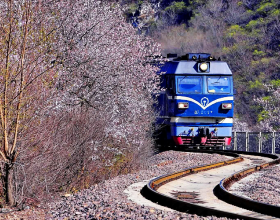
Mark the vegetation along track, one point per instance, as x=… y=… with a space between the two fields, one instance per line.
x=203 y=190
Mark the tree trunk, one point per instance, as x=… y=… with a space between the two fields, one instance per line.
x=9 y=184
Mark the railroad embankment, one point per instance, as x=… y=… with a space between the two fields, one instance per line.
x=107 y=200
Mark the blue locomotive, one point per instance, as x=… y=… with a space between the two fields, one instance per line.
x=196 y=108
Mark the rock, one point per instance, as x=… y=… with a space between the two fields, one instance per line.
x=5 y=210
x=26 y=207
x=107 y=200
x=67 y=195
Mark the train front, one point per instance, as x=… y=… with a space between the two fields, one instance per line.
x=199 y=100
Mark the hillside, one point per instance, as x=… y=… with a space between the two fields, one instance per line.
x=246 y=34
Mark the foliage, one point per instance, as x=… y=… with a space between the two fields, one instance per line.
x=259 y=53
x=177 y=7
x=77 y=97
x=268 y=118
x=235 y=30
x=155 y=15
x=245 y=34
x=255 y=85
x=275 y=83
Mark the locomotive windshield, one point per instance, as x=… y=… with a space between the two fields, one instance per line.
x=218 y=84
x=189 y=84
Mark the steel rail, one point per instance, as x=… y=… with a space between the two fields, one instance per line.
x=221 y=191
x=150 y=190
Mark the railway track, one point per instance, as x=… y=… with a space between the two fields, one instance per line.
x=203 y=190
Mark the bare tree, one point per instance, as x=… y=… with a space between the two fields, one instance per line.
x=26 y=76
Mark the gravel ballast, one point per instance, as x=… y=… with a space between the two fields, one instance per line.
x=262 y=186
x=107 y=200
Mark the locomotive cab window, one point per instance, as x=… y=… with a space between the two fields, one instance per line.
x=218 y=84
x=189 y=84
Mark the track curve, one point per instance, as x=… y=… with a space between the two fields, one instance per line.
x=159 y=190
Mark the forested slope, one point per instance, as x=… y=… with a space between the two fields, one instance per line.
x=244 y=33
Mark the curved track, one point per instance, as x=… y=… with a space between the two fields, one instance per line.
x=203 y=190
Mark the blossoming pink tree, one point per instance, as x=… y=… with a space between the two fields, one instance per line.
x=269 y=118
x=107 y=67
x=94 y=111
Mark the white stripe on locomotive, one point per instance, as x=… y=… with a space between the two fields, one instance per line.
x=230 y=98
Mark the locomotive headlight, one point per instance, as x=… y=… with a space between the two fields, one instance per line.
x=203 y=67
x=226 y=106
x=183 y=105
